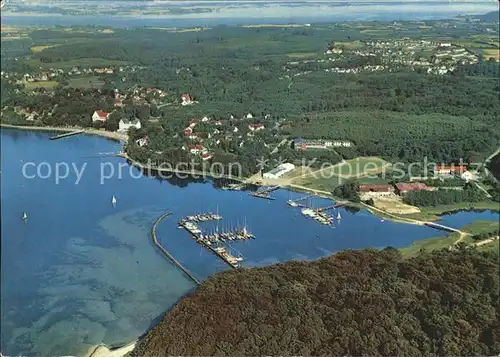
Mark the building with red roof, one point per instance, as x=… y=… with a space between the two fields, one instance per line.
x=451 y=170
x=197 y=149
x=100 y=115
x=376 y=188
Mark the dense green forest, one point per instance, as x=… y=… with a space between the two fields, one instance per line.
x=354 y=303
x=401 y=115
x=441 y=196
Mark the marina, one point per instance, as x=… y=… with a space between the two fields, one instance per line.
x=212 y=243
x=116 y=251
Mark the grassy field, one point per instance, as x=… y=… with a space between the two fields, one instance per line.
x=480 y=227
x=360 y=165
x=42 y=84
x=446 y=241
x=36 y=49
x=323 y=183
x=301 y=54
x=491 y=53
x=426 y=245
x=331 y=177
x=85 y=82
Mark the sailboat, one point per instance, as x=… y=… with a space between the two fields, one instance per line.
x=25 y=216
x=113 y=200
x=339 y=217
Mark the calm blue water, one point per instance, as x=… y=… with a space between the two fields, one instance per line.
x=80 y=271
x=235 y=13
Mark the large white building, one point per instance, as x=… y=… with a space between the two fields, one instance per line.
x=125 y=124
x=279 y=171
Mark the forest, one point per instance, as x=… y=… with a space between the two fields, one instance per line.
x=399 y=116
x=441 y=196
x=353 y=303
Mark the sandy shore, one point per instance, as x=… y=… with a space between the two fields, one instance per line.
x=106 y=134
x=104 y=351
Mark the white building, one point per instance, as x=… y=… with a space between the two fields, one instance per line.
x=126 y=124
x=279 y=171
x=100 y=115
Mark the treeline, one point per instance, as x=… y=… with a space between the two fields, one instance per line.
x=486 y=235
x=354 y=303
x=441 y=196
x=348 y=190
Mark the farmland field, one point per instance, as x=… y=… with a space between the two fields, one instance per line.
x=42 y=84
x=85 y=82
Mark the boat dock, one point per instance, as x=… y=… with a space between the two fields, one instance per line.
x=60 y=136
x=220 y=252
x=296 y=202
x=265 y=193
x=203 y=217
x=167 y=254
x=324 y=209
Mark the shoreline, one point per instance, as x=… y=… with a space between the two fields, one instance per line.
x=102 y=350
x=115 y=136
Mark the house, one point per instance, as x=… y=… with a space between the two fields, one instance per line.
x=380 y=189
x=256 y=127
x=125 y=124
x=279 y=171
x=192 y=123
x=188 y=131
x=142 y=141
x=197 y=149
x=235 y=130
x=450 y=170
x=118 y=100
x=249 y=116
x=205 y=119
x=100 y=115
x=186 y=99
x=31 y=116
x=467 y=176
x=206 y=156
x=193 y=136
x=404 y=187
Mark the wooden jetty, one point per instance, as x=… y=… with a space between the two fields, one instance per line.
x=338 y=204
x=60 y=136
x=265 y=193
x=197 y=238
x=164 y=251
x=266 y=196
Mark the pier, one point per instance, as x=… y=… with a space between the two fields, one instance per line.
x=296 y=202
x=164 y=251
x=221 y=253
x=324 y=209
x=60 y=136
x=265 y=193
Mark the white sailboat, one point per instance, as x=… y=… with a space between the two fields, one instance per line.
x=339 y=217
x=25 y=216
x=113 y=200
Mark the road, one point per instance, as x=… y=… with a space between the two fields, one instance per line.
x=420 y=223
